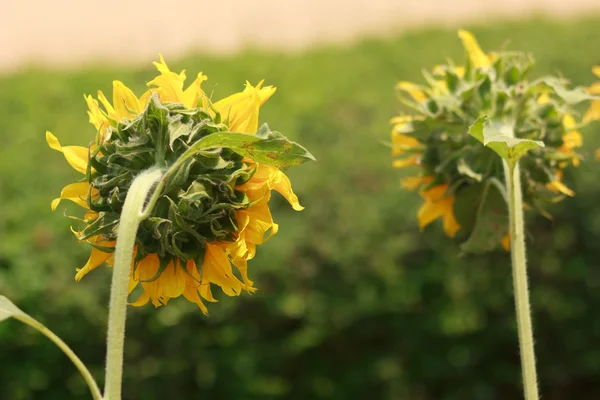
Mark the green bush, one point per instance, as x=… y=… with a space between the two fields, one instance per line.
x=353 y=302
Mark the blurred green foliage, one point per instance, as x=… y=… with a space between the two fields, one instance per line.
x=353 y=302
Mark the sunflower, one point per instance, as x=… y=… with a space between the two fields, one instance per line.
x=456 y=177
x=214 y=213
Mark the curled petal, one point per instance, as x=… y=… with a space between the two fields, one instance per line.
x=77 y=156
x=241 y=110
x=97 y=258
x=77 y=193
x=194 y=92
x=125 y=102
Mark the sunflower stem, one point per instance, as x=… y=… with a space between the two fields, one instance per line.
x=131 y=217
x=520 y=284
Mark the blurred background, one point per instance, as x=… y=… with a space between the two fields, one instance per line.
x=354 y=302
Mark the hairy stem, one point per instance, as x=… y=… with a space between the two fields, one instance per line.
x=521 y=289
x=131 y=216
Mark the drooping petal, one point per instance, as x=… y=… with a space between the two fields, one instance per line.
x=242 y=266
x=142 y=300
x=438 y=204
x=77 y=156
x=146 y=270
x=217 y=269
x=557 y=186
x=172 y=280
x=97 y=258
x=191 y=294
x=77 y=193
x=281 y=184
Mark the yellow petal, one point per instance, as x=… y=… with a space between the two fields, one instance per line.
x=173 y=280
x=428 y=212
x=437 y=204
x=413 y=90
x=142 y=300
x=97 y=258
x=281 y=183
x=401 y=143
x=107 y=106
x=406 y=162
x=543 y=98
x=241 y=110
x=77 y=193
x=476 y=55
x=413 y=182
x=193 y=92
x=593 y=113
x=558 y=187
x=242 y=266
x=596 y=70
x=77 y=156
x=594 y=88
x=217 y=269
x=191 y=294
x=97 y=118
x=125 y=102
x=451 y=225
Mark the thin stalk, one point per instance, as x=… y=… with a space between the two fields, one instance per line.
x=89 y=379
x=521 y=289
x=131 y=217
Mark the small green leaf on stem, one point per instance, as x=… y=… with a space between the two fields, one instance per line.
x=508 y=147
x=9 y=310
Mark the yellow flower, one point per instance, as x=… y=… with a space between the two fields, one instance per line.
x=594 y=111
x=438 y=205
x=162 y=280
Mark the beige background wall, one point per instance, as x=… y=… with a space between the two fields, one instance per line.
x=71 y=32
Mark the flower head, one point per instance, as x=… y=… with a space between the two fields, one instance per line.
x=213 y=210
x=458 y=179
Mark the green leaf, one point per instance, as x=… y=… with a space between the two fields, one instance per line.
x=499 y=139
x=571 y=96
x=9 y=310
x=489 y=224
x=266 y=147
